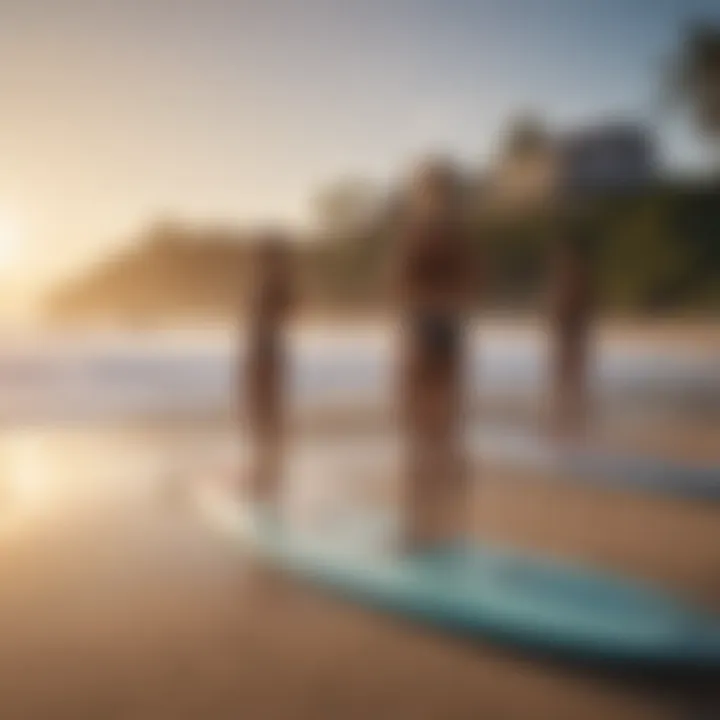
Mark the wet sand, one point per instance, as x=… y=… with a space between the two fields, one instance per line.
x=117 y=602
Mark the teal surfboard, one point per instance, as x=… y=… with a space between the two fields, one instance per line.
x=492 y=593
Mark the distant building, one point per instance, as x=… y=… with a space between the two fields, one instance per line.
x=603 y=159
x=614 y=157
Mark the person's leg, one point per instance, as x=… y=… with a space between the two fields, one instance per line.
x=437 y=490
x=266 y=429
x=265 y=471
x=570 y=401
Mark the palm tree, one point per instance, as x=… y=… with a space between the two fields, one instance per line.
x=695 y=77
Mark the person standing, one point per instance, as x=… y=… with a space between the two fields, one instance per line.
x=434 y=285
x=270 y=302
x=572 y=309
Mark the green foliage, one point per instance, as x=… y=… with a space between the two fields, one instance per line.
x=660 y=252
x=345 y=208
x=694 y=76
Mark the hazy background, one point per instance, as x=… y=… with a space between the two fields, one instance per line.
x=119 y=116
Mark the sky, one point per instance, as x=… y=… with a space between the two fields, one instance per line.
x=116 y=113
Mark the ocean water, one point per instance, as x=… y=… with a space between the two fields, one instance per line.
x=122 y=376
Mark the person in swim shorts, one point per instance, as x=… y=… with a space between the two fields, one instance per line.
x=434 y=286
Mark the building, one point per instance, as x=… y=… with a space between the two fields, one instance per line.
x=610 y=158
x=549 y=170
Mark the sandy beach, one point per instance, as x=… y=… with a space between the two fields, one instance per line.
x=117 y=602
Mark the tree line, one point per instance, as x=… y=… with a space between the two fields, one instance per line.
x=657 y=250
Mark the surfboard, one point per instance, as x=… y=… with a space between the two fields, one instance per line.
x=487 y=593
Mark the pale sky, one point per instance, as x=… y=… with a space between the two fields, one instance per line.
x=114 y=113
